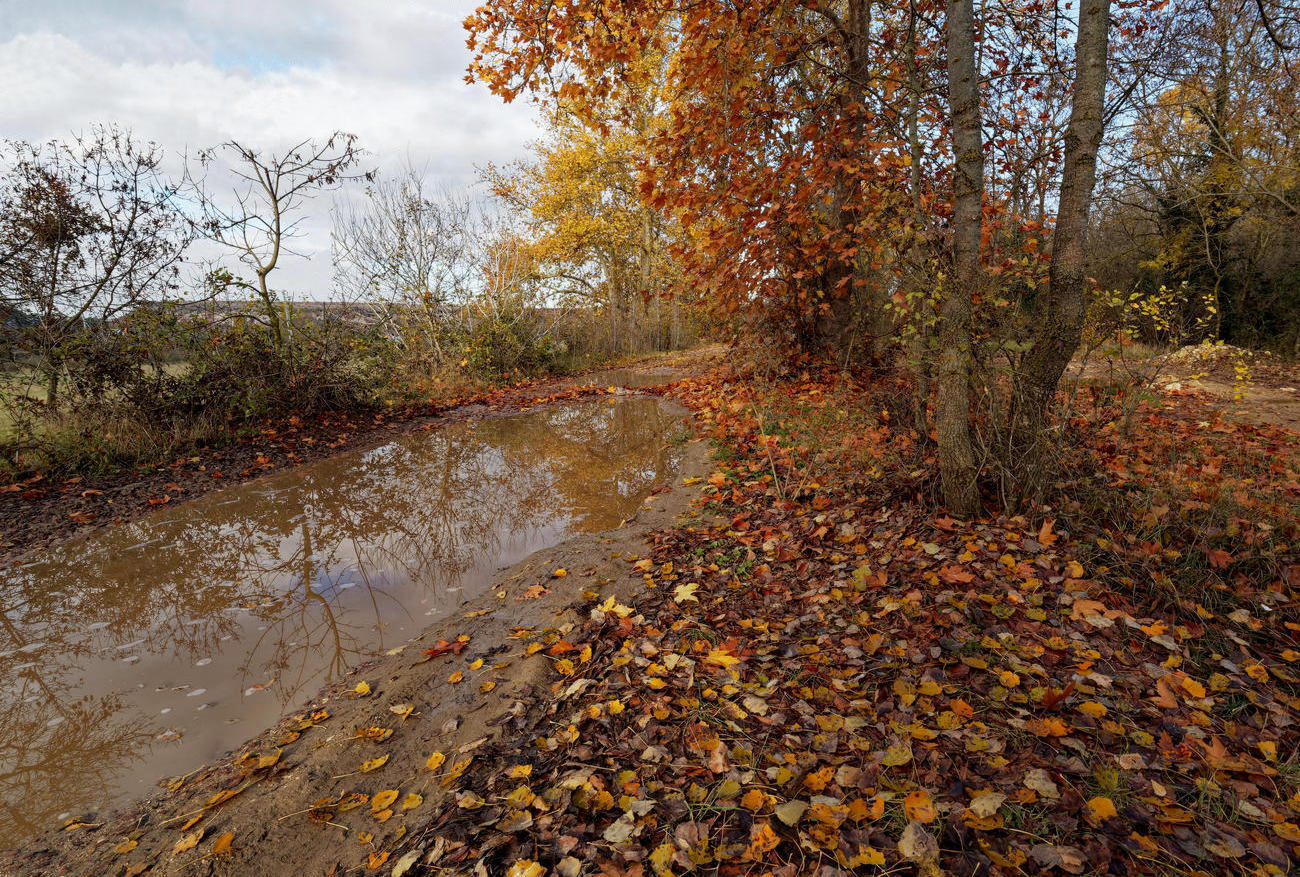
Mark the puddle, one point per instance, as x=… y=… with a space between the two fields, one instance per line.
x=628 y=377
x=144 y=650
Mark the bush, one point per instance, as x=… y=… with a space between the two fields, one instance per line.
x=154 y=384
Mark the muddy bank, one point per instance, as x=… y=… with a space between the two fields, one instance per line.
x=40 y=512
x=256 y=803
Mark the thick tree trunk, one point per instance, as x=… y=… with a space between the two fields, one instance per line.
x=1059 y=314
x=952 y=414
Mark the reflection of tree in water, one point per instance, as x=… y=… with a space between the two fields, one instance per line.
x=47 y=730
x=321 y=560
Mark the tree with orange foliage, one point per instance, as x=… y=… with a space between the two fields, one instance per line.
x=828 y=194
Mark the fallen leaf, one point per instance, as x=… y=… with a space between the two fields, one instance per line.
x=1100 y=809
x=918 y=807
x=187 y=843
x=374 y=763
x=382 y=800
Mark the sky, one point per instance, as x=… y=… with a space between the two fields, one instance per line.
x=193 y=73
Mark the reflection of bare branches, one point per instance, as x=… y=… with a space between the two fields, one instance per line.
x=294 y=578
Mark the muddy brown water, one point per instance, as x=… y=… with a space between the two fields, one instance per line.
x=147 y=649
x=628 y=377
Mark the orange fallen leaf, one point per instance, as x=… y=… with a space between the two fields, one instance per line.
x=918 y=806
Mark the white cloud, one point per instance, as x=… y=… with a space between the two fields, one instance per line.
x=196 y=73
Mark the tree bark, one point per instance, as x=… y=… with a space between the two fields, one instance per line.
x=952 y=414
x=1059 y=314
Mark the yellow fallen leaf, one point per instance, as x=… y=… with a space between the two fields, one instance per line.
x=1008 y=679
x=382 y=800
x=525 y=868
x=1100 y=809
x=402 y=709
x=867 y=856
x=456 y=677
x=1192 y=687
x=435 y=761
x=521 y=771
x=412 y=800
x=187 y=843
x=1092 y=708
x=721 y=658
x=374 y=763
x=476 y=663
x=560 y=573
x=686 y=593
x=487 y=686
x=379 y=735
x=126 y=846
x=376 y=860
x=362 y=689
x=222 y=843
x=896 y=755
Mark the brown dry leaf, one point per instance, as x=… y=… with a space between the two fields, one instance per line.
x=222 y=844
x=376 y=860
x=919 y=846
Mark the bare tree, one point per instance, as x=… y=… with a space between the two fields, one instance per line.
x=90 y=229
x=408 y=253
x=265 y=208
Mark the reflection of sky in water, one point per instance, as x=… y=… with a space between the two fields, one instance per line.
x=158 y=644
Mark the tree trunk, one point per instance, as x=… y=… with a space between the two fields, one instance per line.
x=952 y=414
x=922 y=345
x=1059 y=314
x=53 y=368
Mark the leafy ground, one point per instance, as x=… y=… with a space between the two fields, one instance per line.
x=834 y=679
x=812 y=672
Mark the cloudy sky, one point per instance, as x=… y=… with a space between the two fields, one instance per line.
x=269 y=72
